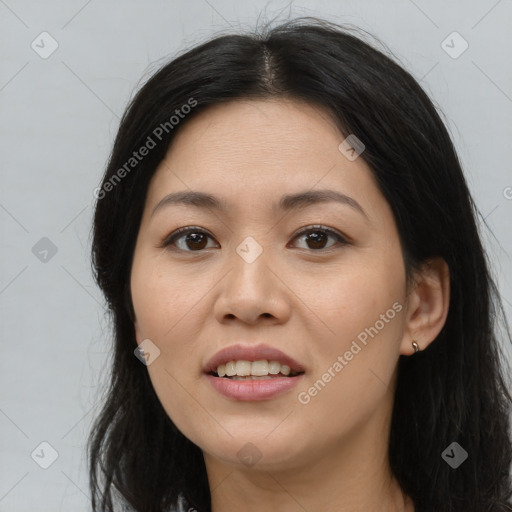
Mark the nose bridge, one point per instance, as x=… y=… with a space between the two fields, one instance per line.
x=251 y=289
x=250 y=266
x=250 y=250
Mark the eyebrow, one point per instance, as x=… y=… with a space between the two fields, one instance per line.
x=286 y=203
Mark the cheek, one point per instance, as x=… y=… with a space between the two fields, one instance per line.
x=357 y=295
x=357 y=356
x=166 y=306
x=162 y=298
x=171 y=307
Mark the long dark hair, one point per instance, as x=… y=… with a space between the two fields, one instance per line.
x=454 y=391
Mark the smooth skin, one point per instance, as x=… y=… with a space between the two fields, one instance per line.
x=309 y=298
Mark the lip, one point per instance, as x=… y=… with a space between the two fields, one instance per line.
x=253 y=390
x=240 y=352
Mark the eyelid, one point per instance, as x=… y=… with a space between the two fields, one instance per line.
x=337 y=234
x=182 y=231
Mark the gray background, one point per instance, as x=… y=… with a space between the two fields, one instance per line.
x=59 y=116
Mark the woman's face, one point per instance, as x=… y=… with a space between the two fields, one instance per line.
x=246 y=275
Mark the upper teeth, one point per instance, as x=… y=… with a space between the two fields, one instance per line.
x=258 y=368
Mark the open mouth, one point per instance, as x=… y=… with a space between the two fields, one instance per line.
x=243 y=375
x=254 y=377
x=253 y=370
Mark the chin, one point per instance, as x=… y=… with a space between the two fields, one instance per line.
x=257 y=453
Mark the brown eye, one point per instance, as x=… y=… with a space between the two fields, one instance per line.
x=316 y=237
x=188 y=239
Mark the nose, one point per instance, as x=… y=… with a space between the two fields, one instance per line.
x=251 y=291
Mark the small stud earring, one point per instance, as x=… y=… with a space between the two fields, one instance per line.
x=415 y=346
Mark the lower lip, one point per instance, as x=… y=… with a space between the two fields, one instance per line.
x=253 y=390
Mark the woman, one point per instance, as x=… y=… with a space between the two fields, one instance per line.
x=287 y=244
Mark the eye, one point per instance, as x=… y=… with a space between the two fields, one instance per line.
x=316 y=237
x=193 y=237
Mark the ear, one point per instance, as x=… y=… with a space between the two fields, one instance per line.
x=427 y=306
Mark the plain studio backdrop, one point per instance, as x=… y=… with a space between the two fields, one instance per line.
x=67 y=71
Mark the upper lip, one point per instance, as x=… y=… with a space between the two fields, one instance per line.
x=240 y=352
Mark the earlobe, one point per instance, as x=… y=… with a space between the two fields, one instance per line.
x=428 y=303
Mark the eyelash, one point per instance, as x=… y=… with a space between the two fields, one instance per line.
x=171 y=239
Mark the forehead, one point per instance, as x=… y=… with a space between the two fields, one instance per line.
x=251 y=131
x=251 y=151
